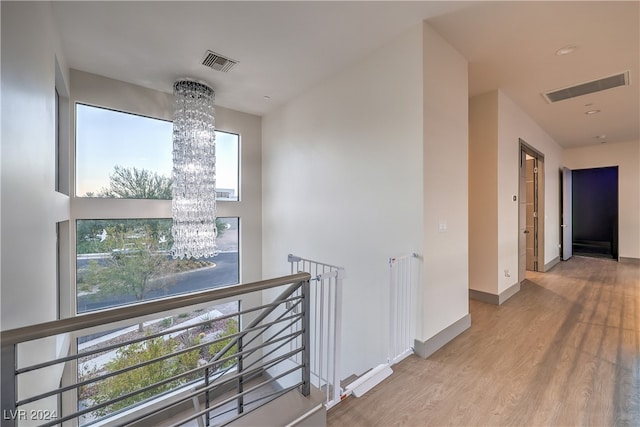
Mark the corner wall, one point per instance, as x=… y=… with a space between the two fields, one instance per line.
x=626 y=156
x=511 y=124
x=31 y=207
x=445 y=301
x=342 y=184
x=515 y=124
x=483 y=192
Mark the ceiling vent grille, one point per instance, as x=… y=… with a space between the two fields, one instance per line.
x=621 y=79
x=218 y=62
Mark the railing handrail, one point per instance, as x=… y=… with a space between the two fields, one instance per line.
x=28 y=333
x=339 y=271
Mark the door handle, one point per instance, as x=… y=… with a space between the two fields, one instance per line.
x=526 y=231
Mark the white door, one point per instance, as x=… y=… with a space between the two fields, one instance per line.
x=567 y=230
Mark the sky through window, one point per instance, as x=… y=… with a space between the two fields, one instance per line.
x=106 y=138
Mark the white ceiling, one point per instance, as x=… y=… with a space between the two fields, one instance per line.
x=284 y=48
x=512 y=46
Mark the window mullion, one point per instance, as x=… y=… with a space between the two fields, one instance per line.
x=106 y=208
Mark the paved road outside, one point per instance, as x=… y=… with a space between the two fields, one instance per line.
x=224 y=273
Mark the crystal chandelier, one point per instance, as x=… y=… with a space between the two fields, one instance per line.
x=194 y=175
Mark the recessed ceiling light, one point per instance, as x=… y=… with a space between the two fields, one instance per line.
x=600 y=136
x=566 y=50
x=266 y=97
x=590 y=112
x=589 y=104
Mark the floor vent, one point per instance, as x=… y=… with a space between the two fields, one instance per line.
x=218 y=62
x=621 y=79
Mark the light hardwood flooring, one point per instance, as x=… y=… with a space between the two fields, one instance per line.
x=564 y=351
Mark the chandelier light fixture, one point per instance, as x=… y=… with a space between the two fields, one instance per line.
x=194 y=176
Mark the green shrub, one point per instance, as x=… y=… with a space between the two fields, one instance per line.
x=230 y=328
x=135 y=379
x=144 y=376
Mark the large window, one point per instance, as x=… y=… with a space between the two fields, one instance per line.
x=127 y=260
x=121 y=258
x=123 y=155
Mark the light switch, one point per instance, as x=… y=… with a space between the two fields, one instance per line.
x=442 y=226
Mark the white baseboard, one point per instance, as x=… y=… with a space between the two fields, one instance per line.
x=426 y=348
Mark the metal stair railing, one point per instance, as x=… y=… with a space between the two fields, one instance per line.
x=245 y=357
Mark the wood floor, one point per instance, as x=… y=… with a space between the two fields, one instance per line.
x=564 y=351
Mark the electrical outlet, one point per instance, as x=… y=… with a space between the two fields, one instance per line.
x=507 y=273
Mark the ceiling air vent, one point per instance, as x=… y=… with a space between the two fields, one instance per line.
x=218 y=62
x=621 y=79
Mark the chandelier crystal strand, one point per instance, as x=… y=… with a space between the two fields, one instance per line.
x=194 y=175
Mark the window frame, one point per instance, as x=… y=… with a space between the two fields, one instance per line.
x=90 y=208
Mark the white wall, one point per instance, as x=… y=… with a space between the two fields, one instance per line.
x=514 y=124
x=342 y=184
x=483 y=192
x=626 y=156
x=30 y=205
x=446 y=185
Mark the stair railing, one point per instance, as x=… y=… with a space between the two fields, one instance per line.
x=325 y=325
x=243 y=360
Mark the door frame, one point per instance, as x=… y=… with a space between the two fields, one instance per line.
x=615 y=244
x=526 y=148
x=566 y=214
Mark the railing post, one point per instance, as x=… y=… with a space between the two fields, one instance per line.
x=306 y=338
x=206 y=395
x=8 y=389
x=240 y=378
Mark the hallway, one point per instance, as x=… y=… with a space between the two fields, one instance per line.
x=565 y=350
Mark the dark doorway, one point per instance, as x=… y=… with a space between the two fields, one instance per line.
x=595 y=212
